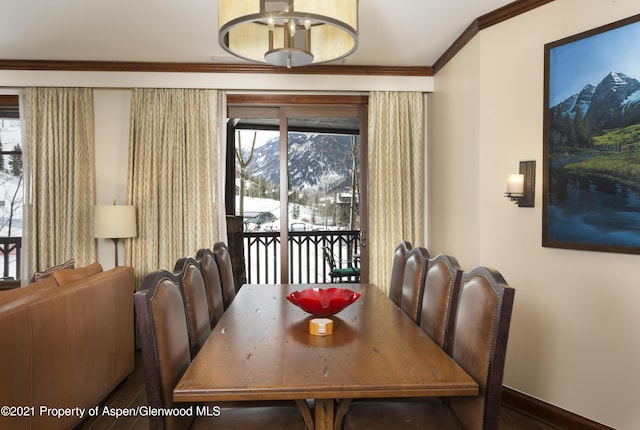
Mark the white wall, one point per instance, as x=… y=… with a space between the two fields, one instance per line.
x=111 y=111
x=574 y=334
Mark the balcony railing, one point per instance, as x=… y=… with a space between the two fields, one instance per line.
x=10 y=248
x=306 y=260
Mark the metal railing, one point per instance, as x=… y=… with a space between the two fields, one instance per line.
x=306 y=261
x=10 y=248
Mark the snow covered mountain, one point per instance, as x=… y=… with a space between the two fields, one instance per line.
x=613 y=103
x=317 y=162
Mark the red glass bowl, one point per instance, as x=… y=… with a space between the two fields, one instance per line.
x=323 y=302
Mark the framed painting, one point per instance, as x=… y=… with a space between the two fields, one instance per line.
x=591 y=165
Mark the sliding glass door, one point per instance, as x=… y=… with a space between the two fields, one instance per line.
x=298 y=176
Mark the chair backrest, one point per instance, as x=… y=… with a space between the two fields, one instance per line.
x=415 y=270
x=194 y=296
x=223 y=259
x=162 y=332
x=397 y=270
x=440 y=299
x=211 y=276
x=480 y=344
x=328 y=256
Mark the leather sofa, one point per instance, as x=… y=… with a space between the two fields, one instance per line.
x=65 y=342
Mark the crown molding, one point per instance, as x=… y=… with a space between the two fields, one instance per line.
x=499 y=15
x=168 y=67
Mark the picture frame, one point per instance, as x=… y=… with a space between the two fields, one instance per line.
x=591 y=152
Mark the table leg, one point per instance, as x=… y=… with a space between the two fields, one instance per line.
x=306 y=413
x=343 y=406
x=324 y=409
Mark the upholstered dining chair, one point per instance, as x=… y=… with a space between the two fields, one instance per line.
x=415 y=271
x=194 y=296
x=440 y=299
x=479 y=346
x=223 y=259
x=211 y=276
x=162 y=331
x=397 y=270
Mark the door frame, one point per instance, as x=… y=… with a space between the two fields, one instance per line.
x=299 y=106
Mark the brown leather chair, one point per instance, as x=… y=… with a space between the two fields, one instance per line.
x=211 y=276
x=415 y=271
x=194 y=296
x=162 y=331
x=479 y=346
x=397 y=270
x=223 y=258
x=440 y=299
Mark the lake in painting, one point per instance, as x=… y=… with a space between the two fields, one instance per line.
x=581 y=211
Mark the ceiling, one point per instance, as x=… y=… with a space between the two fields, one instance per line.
x=392 y=32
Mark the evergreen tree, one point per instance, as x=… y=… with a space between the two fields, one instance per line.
x=2 y=168
x=581 y=130
x=15 y=161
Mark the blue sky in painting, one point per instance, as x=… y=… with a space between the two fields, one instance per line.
x=589 y=60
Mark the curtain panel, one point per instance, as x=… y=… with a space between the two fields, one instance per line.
x=396 y=177
x=173 y=144
x=61 y=176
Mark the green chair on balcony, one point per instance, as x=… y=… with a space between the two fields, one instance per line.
x=340 y=274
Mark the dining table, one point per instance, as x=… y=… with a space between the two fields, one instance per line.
x=262 y=349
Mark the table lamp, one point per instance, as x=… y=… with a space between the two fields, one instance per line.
x=115 y=222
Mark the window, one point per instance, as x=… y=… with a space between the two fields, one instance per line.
x=11 y=188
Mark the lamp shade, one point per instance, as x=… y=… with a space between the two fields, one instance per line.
x=288 y=32
x=515 y=184
x=115 y=221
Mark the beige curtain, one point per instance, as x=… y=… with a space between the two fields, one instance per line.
x=172 y=175
x=61 y=178
x=396 y=171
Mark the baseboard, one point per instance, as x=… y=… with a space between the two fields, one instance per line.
x=547 y=412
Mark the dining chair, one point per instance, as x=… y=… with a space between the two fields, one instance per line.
x=194 y=296
x=211 y=276
x=352 y=274
x=440 y=299
x=415 y=271
x=397 y=270
x=162 y=331
x=223 y=259
x=479 y=347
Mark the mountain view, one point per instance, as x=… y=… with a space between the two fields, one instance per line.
x=612 y=104
x=594 y=164
x=317 y=162
x=320 y=181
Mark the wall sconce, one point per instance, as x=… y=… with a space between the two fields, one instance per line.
x=521 y=188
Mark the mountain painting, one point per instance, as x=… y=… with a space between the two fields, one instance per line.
x=592 y=140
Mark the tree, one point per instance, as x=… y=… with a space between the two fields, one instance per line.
x=243 y=165
x=355 y=186
x=2 y=169
x=16 y=203
x=15 y=161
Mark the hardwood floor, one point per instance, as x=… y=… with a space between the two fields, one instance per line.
x=131 y=393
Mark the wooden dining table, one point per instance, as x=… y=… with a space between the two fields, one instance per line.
x=261 y=349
